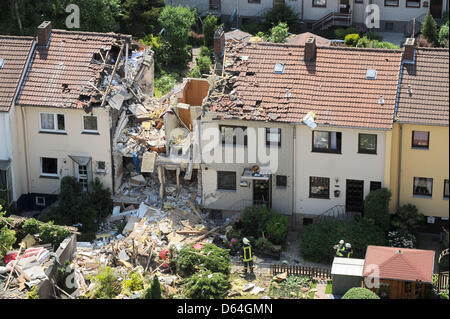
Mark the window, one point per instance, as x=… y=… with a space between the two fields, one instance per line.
x=226 y=180
x=52 y=122
x=273 y=137
x=90 y=124
x=420 y=139
x=359 y=1
x=214 y=5
x=375 y=185
x=367 y=143
x=328 y=142
x=281 y=180
x=83 y=176
x=39 y=200
x=319 y=187
x=254 y=1
x=319 y=3
x=101 y=167
x=49 y=166
x=445 y=188
x=391 y=3
x=389 y=26
x=228 y=131
x=423 y=186
x=413 y=3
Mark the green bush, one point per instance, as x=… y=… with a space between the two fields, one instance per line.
x=31 y=226
x=255 y=27
x=263 y=244
x=384 y=45
x=194 y=73
x=351 y=39
x=209 y=27
x=376 y=207
x=373 y=36
x=282 y=13
x=189 y=260
x=164 y=84
x=134 y=282
x=205 y=51
x=319 y=238
x=341 y=33
x=204 y=64
x=407 y=218
x=257 y=220
x=401 y=239
x=429 y=28
x=279 y=33
x=443 y=35
x=7 y=240
x=106 y=285
x=360 y=293
x=207 y=285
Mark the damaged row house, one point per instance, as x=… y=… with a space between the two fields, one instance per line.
x=84 y=107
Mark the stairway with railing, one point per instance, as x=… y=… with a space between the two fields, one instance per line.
x=333 y=19
x=338 y=212
x=414 y=25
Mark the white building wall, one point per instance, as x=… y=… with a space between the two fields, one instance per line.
x=5 y=136
x=348 y=165
x=246 y=9
x=315 y=13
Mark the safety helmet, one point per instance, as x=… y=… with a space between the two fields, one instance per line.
x=341 y=242
x=347 y=245
x=245 y=241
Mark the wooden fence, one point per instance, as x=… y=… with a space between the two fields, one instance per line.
x=300 y=271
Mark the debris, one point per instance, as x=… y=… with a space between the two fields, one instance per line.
x=248 y=287
x=256 y=290
x=281 y=277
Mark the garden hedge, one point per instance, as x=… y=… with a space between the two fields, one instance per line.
x=360 y=293
x=319 y=238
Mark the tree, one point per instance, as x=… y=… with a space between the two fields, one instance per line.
x=376 y=207
x=279 y=33
x=140 y=17
x=7 y=236
x=443 y=35
x=283 y=13
x=176 y=22
x=429 y=28
x=156 y=288
x=209 y=27
x=407 y=218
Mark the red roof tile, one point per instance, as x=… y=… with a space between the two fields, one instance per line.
x=424 y=92
x=61 y=72
x=301 y=38
x=334 y=86
x=401 y=263
x=14 y=51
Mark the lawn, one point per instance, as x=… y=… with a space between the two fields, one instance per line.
x=294 y=287
x=328 y=289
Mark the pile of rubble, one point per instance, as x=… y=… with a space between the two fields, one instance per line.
x=145 y=244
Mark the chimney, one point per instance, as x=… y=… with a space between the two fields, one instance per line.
x=310 y=49
x=44 y=31
x=219 y=41
x=408 y=50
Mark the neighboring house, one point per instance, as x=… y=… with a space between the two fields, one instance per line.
x=64 y=125
x=237 y=36
x=395 y=15
x=352 y=93
x=15 y=53
x=403 y=273
x=421 y=135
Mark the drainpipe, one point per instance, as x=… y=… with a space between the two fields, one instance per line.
x=25 y=137
x=399 y=165
x=294 y=139
x=302 y=14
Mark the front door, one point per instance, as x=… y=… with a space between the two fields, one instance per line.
x=354 y=196
x=436 y=8
x=262 y=192
x=344 y=6
x=82 y=175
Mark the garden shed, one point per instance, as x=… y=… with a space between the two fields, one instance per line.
x=346 y=273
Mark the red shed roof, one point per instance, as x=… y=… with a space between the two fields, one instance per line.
x=401 y=263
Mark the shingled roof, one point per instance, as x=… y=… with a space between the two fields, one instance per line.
x=334 y=86
x=61 y=73
x=14 y=53
x=400 y=263
x=424 y=91
x=301 y=38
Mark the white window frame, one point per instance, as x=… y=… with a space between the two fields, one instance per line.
x=100 y=170
x=47 y=174
x=37 y=198
x=87 y=130
x=55 y=121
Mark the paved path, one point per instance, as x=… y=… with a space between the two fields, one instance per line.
x=321 y=288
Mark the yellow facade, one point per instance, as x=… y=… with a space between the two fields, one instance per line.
x=408 y=162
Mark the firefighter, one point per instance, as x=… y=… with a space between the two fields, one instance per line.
x=340 y=249
x=348 y=250
x=247 y=256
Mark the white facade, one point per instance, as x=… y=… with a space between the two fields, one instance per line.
x=348 y=165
